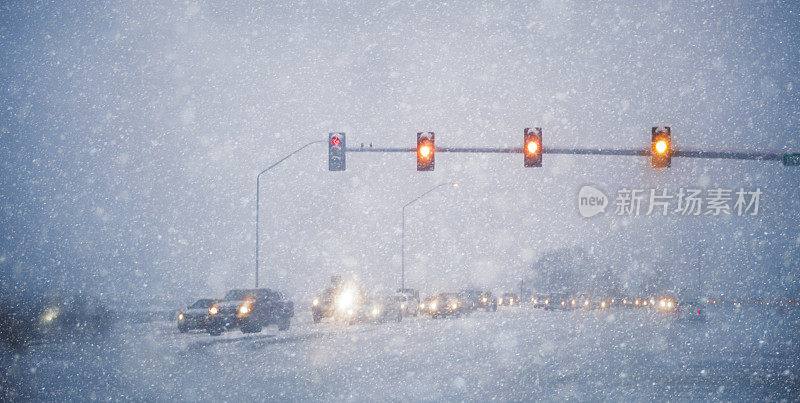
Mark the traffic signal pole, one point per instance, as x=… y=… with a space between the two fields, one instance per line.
x=757 y=155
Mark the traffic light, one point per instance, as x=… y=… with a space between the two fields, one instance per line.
x=425 y=151
x=532 y=147
x=661 y=148
x=336 y=152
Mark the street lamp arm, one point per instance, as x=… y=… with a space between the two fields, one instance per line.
x=258 y=192
x=403 y=232
x=429 y=190
x=289 y=155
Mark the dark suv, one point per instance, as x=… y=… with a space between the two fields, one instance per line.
x=250 y=310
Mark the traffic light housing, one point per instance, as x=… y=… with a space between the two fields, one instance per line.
x=532 y=147
x=661 y=148
x=336 y=152
x=426 y=151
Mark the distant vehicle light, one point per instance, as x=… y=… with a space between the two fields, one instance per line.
x=50 y=314
x=403 y=306
x=180 y=316
x=603 y=304
x=453 y=305
x=547 y=302
x=484 y=299
x=698 y=311
x=586 y=303
x=213 y=310
x=421 y=305
x=375 y=311
x=500 y=301
x=315 y=302
x=434 y=305
x=244 y=309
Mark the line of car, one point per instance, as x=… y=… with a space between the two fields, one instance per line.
x=249 y=310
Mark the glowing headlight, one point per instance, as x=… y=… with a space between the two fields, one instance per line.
x=662 y=303
x=535 y=301
x=50 y=314
x=180 y=316
x=603 y=304
x=453 y=305
x=434 y=305
x=213 y=311
x=315 y=302
x=345 y=300
x=500 y=301
x=586 y=303
x=376 y=311
x=244 y=309
x=403 y=306
x=421 y=305
x=563 y=303
x=547 y=302
x=484 y=299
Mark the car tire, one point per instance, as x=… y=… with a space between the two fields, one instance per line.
x=284 y=323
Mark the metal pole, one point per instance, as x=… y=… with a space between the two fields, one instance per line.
x=258 y=192
x=403 y=232
x=403 y=252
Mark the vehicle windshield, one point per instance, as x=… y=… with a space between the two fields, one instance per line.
x=480 y=200
x=203 y=303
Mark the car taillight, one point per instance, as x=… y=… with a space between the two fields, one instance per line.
x=677 y=310
x=698 y=311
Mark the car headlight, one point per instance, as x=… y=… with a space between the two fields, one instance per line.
x=50 y=314
x=421 y=305
x=484 y=299
x=315 y=302
x=586 y=303
x=244 y=309
x=434 y=305
x=376 y=311
x=213 y=311
x=500 y=301
x=180 y=316
x=453 y=305
x=547 y=302
x=345 y=300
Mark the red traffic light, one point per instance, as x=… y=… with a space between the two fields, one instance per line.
x=335 y=141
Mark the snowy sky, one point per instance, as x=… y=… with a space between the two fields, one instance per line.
x=131 y=135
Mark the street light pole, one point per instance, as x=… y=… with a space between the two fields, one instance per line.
x=258 y=192
x=403 y=232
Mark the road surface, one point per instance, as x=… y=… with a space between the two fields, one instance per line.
x=514 y=354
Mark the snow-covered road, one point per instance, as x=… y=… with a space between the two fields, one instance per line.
x=514 y=354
